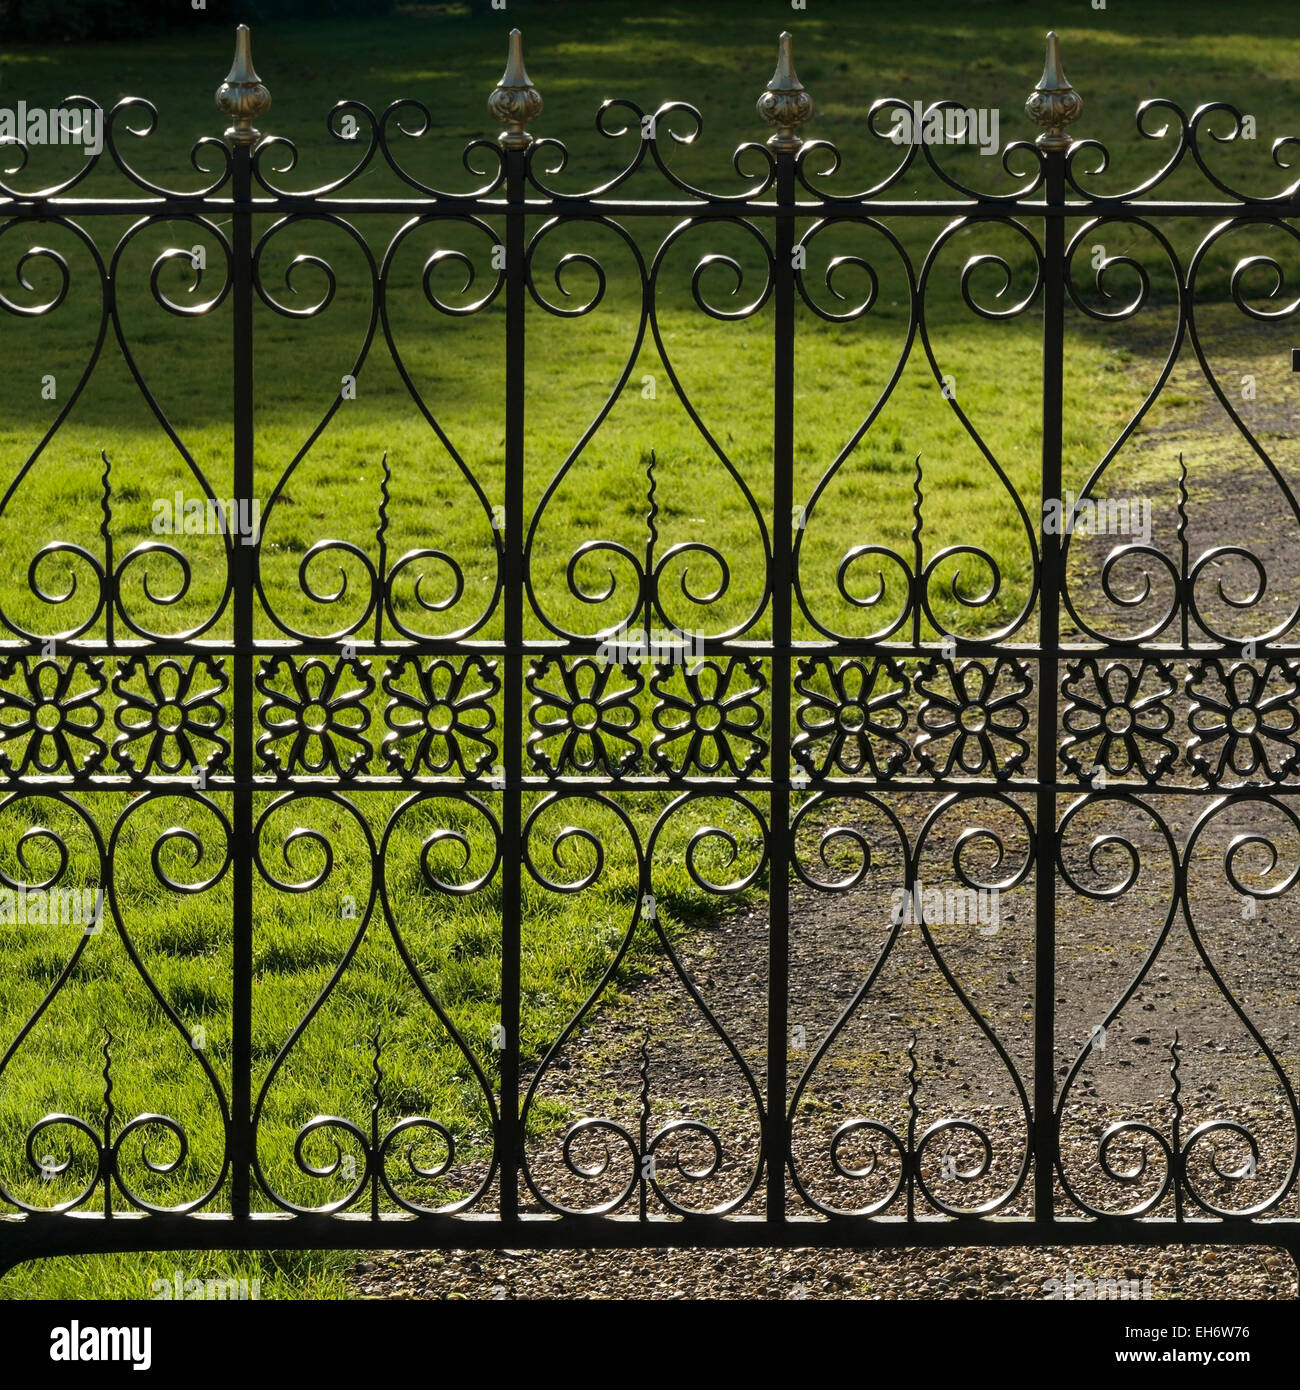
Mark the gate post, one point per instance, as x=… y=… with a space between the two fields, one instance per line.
x=1053 y=104
x=243 y=99
x=515 y=102
x=785 y=104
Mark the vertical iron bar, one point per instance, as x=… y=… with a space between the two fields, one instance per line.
x=242 y=579
x=510 y=1143
x=1048 y=675
x=778 y=1008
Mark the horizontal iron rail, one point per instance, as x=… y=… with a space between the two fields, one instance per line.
x=708 y=647
x=579 y=208
x=660 y=783
x=74 y=1234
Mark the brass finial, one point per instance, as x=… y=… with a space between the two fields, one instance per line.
x=785 y=104
x=515 y=101
x=1053 y=104
x=241 y=96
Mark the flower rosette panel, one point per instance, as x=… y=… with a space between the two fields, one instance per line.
x=711 y=718
x=315 y=716
x=974 y=716
x=171 y=714
x=52 y=715
x=1118 y=719
x=1244 y=721
x=442 y=716
x=852 y=716
x=585 y=717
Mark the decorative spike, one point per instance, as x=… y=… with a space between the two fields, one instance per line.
x=381 y=539
x=1184 y=555
x=1053 y=104
x=1177 y=1129
x=785 y=104
x=106 y=499
x=385 y=497
x=1182 y=501
x=377 y=1093
x=645 y=1080
x=918 y=551
x=241 y=97
x=913 y=1115
x=107 y=1157
x=515 y=101
x=652 y=511
x=106 y=530
x=107 y=1074
x=644 y=1119
x=1175 y=1063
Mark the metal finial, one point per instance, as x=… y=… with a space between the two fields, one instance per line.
x=515 y=101
x=785 y=104
x=1053 y=104
x=241 y=96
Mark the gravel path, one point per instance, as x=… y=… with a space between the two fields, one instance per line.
x=866 y=1074
x=779 y=1274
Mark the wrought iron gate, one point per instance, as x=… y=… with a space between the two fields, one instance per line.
x=1022 y=733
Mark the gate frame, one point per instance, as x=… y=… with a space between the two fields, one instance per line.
x=1053 y=105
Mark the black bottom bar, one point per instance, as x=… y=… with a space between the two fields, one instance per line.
x=42 y=1237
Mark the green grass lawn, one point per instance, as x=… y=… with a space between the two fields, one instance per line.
x=449 y=56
